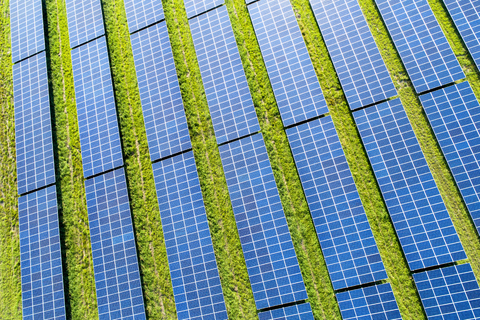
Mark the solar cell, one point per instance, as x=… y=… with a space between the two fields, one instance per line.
x=33 y=128
x=40 y=257
x=115 y=265
x=26 y=23
x=97 y=116
x=231 y=106
x=162 y=105
x=85 y=21
x=347 y=242
x=420 y=218
x=142 y=13
x=266 y=242
x=357 y=60
x=193 y=268
x=454 y=114
x=296 y=312
x=421 y=44
x=370 y=303
x=466 y=16
x=293 y=78
x=449 y=293
x=196 y=7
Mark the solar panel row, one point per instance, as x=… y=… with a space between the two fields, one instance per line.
x=231 y=106
x=347 y=242
x=454 y=114
x=162 y=105
x=357 y=60
x=425 y=230
x=266 y=242
x=142 y=13
x=196 y=7
x=193 y=268
x=421 y=44
x=85 y=21
x=296 y=312
x=293 y=78
x=40 y=256
x=33 y=128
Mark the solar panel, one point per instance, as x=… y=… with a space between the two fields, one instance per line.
x=193 y=268
x=449 y=293
x=115 y=265
x=347 y=242
x=85 y=21
x=370 y=303
x=420 y=218
x=97 y=116
x=466 y=16
x=296 y=312
x=454 y=114
x=196 y=7
x=26 y=23
x=266 y=242
x=360 y=67
x=33 y=128
x=142 y=13
x=40 y=256
x=162 y=105
x=231 y=106
x=421 y=44
x=293 y=78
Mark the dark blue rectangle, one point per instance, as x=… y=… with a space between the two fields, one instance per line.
x=142 y=13
x=85 y=21
x=296 y=312
x=196 y=7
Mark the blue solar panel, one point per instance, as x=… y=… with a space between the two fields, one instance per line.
x=115 y=265
x=40 y=256
x=449 y=293
x=345 y=236
x=85 y=21
x=296 y=312
x=142 y=13
x=422 y=46
x=424 y=228
x=26 y=23
x=97 y=116
x=360 y=67
x=163 y=112
x=370 y=303
x=231 y=106
x=293 y=78
x=266 y=242
x=196 y=7
x=33 y=128
x=193 y=268
x=466 y=16
x=454 y=114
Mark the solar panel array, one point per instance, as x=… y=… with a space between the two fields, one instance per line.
x=142 y=13
x=421 y=44
x=370 y=303
x=454 y=114
x=27 y=31
x=347 y=242
x=466 y=16
x=231 y=106
x=266 y=242
x=193 y=268
x=85 y=21
x=40 y=256
x=357 y=60
x=117 y=277
x=97 y=116
x=296 y=312
x=420 y=218
x=33 y=128
x=196 y=7
x=163 y=111
x=293 y=78
x=449 y=293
